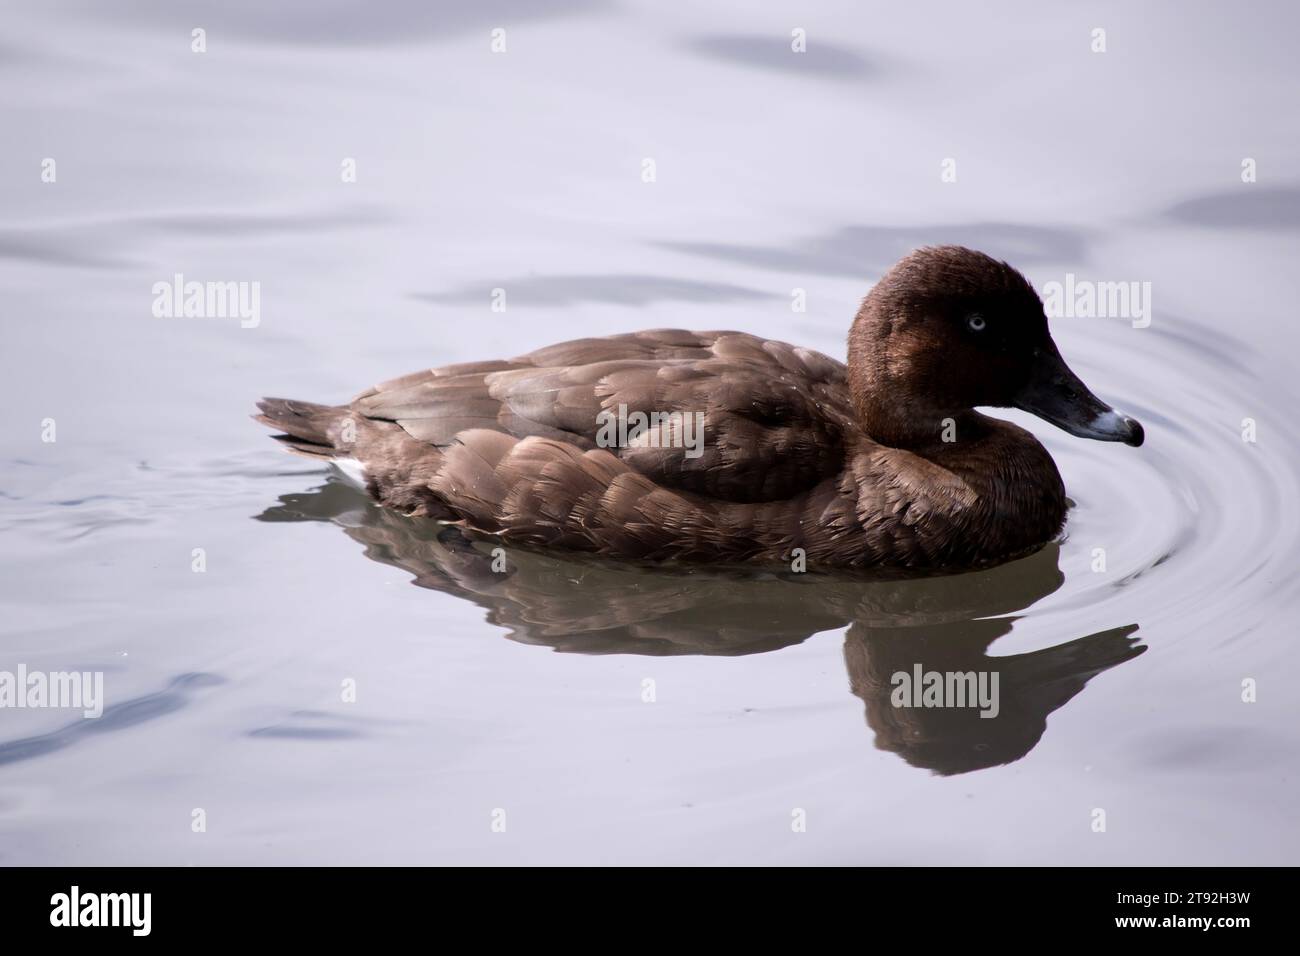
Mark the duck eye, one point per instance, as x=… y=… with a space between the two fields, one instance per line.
x=976 y=323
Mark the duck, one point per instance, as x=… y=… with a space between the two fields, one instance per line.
x=742 y=449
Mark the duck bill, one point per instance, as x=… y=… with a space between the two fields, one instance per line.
x=1056 y=394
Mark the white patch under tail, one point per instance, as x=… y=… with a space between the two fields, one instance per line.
x=352 y=470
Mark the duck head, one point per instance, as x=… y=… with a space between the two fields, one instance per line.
x=947 y=329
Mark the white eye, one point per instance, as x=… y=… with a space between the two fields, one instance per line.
x=976 y=323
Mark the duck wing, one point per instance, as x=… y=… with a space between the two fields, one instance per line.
x=727 y=415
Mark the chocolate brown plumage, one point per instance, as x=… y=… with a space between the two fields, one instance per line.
x=883 y=464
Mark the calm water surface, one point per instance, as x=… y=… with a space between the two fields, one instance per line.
x=1121 y=683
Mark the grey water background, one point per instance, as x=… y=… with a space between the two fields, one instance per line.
x=477 y=692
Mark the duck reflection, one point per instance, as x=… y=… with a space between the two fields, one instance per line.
x=913 y=627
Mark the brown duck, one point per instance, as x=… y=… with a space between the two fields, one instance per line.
x=725 y=447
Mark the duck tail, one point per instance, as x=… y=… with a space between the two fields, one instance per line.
x=306 y=425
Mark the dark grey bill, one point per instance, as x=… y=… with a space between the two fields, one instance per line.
x=1055 y=394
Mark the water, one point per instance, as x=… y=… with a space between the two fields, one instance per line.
x=1121 y=688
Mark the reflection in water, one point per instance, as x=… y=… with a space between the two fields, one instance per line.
x=854 y=251
x=951 y=740
x=345 y=23
x=772 y=54
x=1255 y=208
x=127 y=714
x=82 y=243
x=944 y=624
x=618 y=289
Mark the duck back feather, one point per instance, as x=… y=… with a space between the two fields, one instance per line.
x=783 y=470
